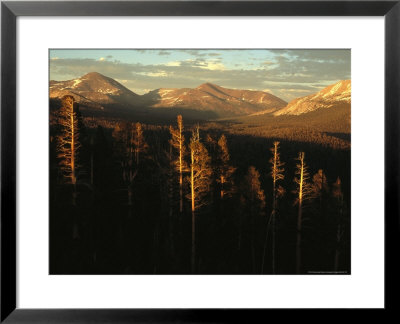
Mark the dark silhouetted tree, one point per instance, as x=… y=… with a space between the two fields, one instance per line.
x=224 y=169
x=320 y=187
x=339 y=202
x=125 y=151
x=254 y=199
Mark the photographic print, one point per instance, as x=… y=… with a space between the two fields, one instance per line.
x=200 y=161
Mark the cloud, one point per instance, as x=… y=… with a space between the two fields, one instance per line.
x=162 y=52
x=173 y=63
x=268 y=63
x=321 y=55
x=196 y=53
x=214 y=54
x=154 y=74
x=200 y=53
x=214 y=66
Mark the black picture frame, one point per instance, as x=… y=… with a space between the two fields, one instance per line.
x=11 y=10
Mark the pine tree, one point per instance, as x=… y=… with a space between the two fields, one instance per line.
x=276 y=175
x=253 y=192
x=200 y=177
x=69 y=141
x=320 y=186
x=211 y=145
x=224 y=169
x=101 y=160
x=254 y=198
x=304 y=192
x=139 y=142
x=178 y=142
x=126 y=154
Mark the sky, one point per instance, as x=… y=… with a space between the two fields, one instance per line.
x=285 y=73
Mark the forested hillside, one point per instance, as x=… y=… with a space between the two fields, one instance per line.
x=250 y=195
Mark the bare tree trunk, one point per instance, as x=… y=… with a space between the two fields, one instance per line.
x=180 y=170
x=298 y=244
x=273 y=229
x=265 y=244
x=299 y=217
x=180 y=192
x=75 y=230
x=193 y=215
x=169 y=188
x=273 y=210
x=276 y=175
x=73 y=175
x=193 y=264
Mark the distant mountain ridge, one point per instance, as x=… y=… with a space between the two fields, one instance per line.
x=329 y=97
x=97 y=91
x=211 y=97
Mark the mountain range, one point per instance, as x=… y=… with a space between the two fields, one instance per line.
x=329 y=97
x=98 y=92
x=94 y=90
x=208 y=96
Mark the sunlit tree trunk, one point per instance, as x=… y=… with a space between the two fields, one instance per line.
x=193 y=198
x=178 y=142
x=200 y=177
x=274 y=209
x=299 y=215
x=180 y=127
x=68 y=146
x=68 y=141
x=304 y=191
x=73 y=175
x=276 y=174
